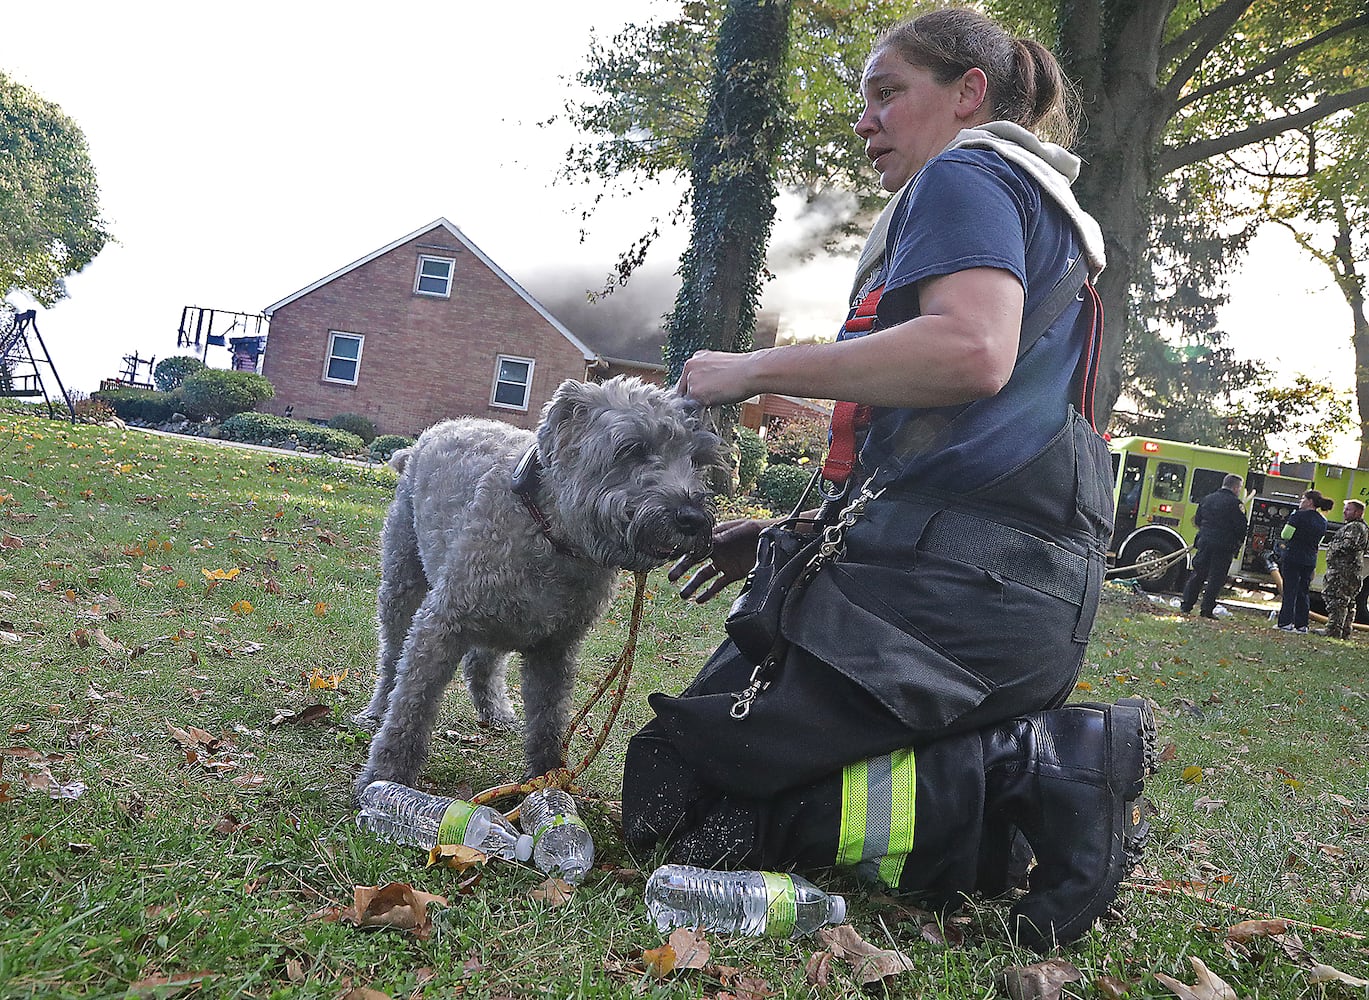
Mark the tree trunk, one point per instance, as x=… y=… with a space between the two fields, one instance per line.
x=1112 y=48
x=733 y=191
x=732 y=187
x=1351 y=284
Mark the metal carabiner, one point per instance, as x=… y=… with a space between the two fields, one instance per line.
x=741 y=708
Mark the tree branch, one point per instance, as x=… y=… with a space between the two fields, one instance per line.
x=1274 y=61
x=1215 y=27
x=1201 y=28
x=1174 y=157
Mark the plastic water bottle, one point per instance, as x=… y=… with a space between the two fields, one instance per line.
x=752 y=904
x=561 y=845
x=407 y=816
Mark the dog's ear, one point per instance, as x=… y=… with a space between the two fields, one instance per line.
x=565 y=410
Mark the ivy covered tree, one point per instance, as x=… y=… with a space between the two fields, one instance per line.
x=50 y=225
x=732 y=185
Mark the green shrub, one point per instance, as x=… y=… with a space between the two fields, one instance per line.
x=792 y=441
x=387 y=444
x=751 y=457
x=781 y=486
x=356 y=424
x=142 y=404
x=172 y=372
x=220 y=393
x=266 y=428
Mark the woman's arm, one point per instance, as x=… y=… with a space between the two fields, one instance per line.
x=961 y=348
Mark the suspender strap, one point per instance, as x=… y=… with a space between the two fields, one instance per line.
x=1041 y=318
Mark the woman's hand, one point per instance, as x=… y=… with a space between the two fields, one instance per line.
x=732 y=556
x=711 y=378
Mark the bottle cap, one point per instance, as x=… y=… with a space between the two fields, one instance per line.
x=838 y=910
x=523 y=849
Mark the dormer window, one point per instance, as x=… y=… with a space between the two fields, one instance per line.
x=434 y=276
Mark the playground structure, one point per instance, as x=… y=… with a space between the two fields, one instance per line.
x=197 y=330
x=20 y=371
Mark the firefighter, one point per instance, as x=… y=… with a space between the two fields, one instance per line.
x=1344 y=571
x=1221 y=529
x=916 y=719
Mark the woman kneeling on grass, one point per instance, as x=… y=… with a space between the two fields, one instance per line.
x=916 y=722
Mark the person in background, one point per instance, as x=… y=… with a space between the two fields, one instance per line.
x=1303 y=533
x=1345 y=570
x=1220 y=518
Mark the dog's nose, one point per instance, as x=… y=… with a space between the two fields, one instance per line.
x=693 y=520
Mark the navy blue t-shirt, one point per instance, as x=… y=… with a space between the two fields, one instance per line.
x=971 y=208
x=1308 y=528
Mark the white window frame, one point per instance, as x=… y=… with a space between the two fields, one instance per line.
x=328 y=357
x=527 y=386
x=423 y=258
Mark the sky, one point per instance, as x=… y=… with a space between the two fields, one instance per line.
x=245 y=150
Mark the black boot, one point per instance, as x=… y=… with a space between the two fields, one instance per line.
x=1071 y=779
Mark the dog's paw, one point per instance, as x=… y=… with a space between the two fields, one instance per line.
x=366 y=723
x=499 y=720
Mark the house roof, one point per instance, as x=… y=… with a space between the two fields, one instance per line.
x=584 y=349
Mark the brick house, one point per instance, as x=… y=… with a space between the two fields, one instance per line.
x=425 y=328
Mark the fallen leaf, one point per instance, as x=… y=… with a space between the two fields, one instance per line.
x=659 y=962
x=304 y=716
x=1208 y=985
x=457 y=856
x=1192 y=774
x=871 y=964
x=1330 y=974
x=818 y=971
x=395 y=905
x=365 y=993
x=1041 y=981
x=554 y=891
x=1248 y=930
x=1111 y=988
x=1208 y=805
x=691 y=947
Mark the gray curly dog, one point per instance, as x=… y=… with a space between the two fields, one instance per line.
x=483 y=555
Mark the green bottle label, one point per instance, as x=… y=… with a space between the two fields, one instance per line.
x=559 y=820
x=781 y=905
x=452 y=830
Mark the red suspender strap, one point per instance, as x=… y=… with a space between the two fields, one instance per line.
x=1092 y=352
x=848 y=418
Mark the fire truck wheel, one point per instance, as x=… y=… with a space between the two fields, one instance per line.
x=1153 y=548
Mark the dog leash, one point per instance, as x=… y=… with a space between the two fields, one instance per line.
x=564 y=777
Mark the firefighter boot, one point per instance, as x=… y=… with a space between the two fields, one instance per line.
x=1071 y=780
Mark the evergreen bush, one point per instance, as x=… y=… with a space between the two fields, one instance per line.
x=751 y=458
x=387 y=444
x=266 y=428
x=172 y=372
x=216 y=392
x=147 y=405
x=356 y=424
x=781 y=486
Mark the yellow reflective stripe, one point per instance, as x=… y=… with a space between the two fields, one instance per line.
x=854 y=799
x=903 y=816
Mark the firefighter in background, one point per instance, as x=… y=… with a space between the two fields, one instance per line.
x=1344 y=571
x=1221 y=529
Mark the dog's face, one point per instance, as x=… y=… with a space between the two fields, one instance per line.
x=628 y=463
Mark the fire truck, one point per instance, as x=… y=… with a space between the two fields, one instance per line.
x=1157 y=485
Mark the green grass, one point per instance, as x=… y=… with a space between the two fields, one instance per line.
x=164 y=867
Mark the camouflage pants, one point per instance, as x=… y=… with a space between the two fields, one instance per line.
x=1340 y=587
